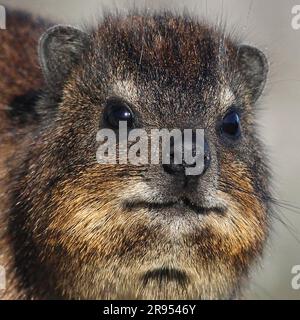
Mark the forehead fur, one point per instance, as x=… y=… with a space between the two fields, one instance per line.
x=173 y=47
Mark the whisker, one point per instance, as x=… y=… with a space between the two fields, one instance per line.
x=279 y=204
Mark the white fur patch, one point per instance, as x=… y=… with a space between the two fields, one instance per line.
x=126 y=88
x=227 y=97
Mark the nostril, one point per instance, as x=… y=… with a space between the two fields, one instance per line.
x=174 y=169
x=207 y=157
x=180 y=169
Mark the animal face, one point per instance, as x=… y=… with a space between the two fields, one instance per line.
x=150 y=230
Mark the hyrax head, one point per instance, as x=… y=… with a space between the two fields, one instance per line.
x=148 y=230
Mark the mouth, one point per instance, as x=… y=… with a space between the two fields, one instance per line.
x=183 y=203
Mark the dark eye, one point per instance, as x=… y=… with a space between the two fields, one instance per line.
x=116 y=111
x=231 y=125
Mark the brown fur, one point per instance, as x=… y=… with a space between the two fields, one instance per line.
x=69 y=234
x=20 y=73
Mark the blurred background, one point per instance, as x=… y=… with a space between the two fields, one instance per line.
x=267 y=25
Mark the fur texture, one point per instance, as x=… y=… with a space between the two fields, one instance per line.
x=77 y=229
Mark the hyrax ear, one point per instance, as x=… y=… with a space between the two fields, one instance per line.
x=60 y=49
x=254 y=67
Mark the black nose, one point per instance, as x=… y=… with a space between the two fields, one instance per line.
x=180 y=169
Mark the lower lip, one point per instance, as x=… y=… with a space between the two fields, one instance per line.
x=178 y=208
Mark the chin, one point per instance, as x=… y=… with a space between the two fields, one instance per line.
x=170 y=250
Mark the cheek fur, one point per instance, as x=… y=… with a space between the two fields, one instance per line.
x=245 y=225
